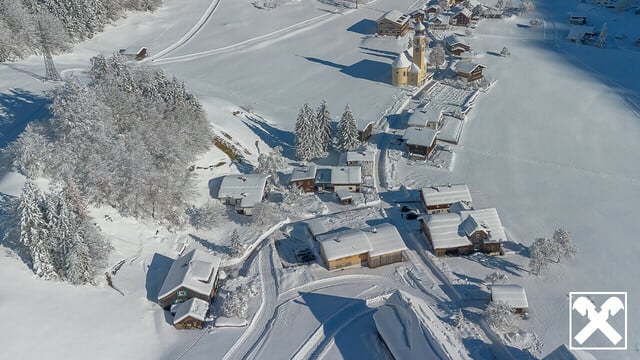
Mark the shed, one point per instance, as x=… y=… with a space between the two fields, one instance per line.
x=243 y=191
x=438 y=199
x=513 y=295
x=420 y=141
x=190 y=314
x=304 y=178
x=192 y=275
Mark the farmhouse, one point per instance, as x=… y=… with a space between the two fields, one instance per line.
x=192 y=275
x=439 y=199
x=426 y=117
x=190 y=314
x=439 y=22
x=243 y=191
x=373 y=246
x=402 y=332
x=456 y=45
x=346 y=177
x=360 y=158
x=444 y=234
x=469 y=71
x=513 y=295
x=484 y=228
x=461 y=18
x=393 y=23
x=420 y=141
x=304 y=178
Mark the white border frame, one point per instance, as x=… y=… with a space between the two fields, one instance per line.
x=571 y=293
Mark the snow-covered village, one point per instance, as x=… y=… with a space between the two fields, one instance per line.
x=319 y=179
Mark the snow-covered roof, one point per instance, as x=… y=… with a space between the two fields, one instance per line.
x=562 y=353
x=451 y=130
x=445 y=231
x=395 y=16
x=317 y=226
x=440 y=19
x=470 y=225
x=303 y=173
x=460 y=206
x=402 y=61
x=420 y=136
x=194 y=270
x=376 y=240
x=455 y=39
x=421 y=118
x=249 y=188
x=194 y=308
x=341 y=175
x=466 y=54
x=384 y=239
x=490 y=219
x=361 y=156
x=445 y=194
x=577 y=32
x=344 y=243
x=513 y=295
x=419 y=26
x=403 y=332
x=344 y=194
x=414 y=68
x=467 y=67
x=466 y=12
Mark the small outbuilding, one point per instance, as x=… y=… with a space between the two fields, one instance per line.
x=243 y=191
x=393 y=23
x=420 y=141
x=360 y=158
x=513 y=295
x=190 y=314
x=426 y=117
x=304 y=178
x=192 y=275
x=344 y=197
x=469 y=71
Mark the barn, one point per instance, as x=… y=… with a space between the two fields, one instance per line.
x=484 y=228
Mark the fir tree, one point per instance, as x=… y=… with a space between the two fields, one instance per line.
x=602 y=38
x=237 y=247
x=308 y=142
x=34 y=232
x=324 y=124
x=347 y=132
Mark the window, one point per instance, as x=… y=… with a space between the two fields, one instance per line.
x=178 y=301
x=182 y=293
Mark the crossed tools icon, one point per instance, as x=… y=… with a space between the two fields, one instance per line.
x=598 y=319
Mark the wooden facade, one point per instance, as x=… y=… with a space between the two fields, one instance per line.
x=421 y=151
x=366 y=133
x=452 y=251
x=189 y=323
x=387 y=27
x=475 y=74
x=460 y=19
x=491 y=248
x=385 y=259
x=307 y=185
x=358 y=259
x=183 y=294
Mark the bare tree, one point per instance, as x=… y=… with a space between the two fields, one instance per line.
x=501 y=317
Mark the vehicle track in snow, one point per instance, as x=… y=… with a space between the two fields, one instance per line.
x=190 y=34
x=275 y=35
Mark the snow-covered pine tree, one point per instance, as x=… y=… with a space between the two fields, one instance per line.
x=34 y=232
x=602 y=37
x=541 y=252
x=237 y=247
x=437 y=56
x=308 y=141
x=324 y=124
x=505 y=52
x=270 y=164
x=347 y=138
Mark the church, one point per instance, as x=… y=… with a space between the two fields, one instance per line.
x=411 y=69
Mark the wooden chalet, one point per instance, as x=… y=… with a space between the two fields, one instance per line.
x=440 y=199
x=456 y=45
x=439 y=22
x=393 y=23
x=192 y=275
x=513 y=295
x=420 y=142
x=469 y=71
x=190 y=314
x=418 y=15
x=373 y=247
x=434 y=9
x=304 y=178
x=461 y=18
x=444 y=236
x=243 y=191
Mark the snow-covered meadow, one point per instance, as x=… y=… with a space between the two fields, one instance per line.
x=552 y=144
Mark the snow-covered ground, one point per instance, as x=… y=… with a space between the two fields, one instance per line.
x=552 y=144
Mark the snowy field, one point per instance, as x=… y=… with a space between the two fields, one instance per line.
x=551 y=144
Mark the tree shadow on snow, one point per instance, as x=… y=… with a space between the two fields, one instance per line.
x=496 y=262
x=272 y=136
x=156 y=273
x=18 y=108
x=211 y=246
x=363 y=27
x=364 y=69
x=214 y=186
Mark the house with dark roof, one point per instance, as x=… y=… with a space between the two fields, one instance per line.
x=192 y=275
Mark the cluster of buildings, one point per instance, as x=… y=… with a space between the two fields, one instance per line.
x=453 y=227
